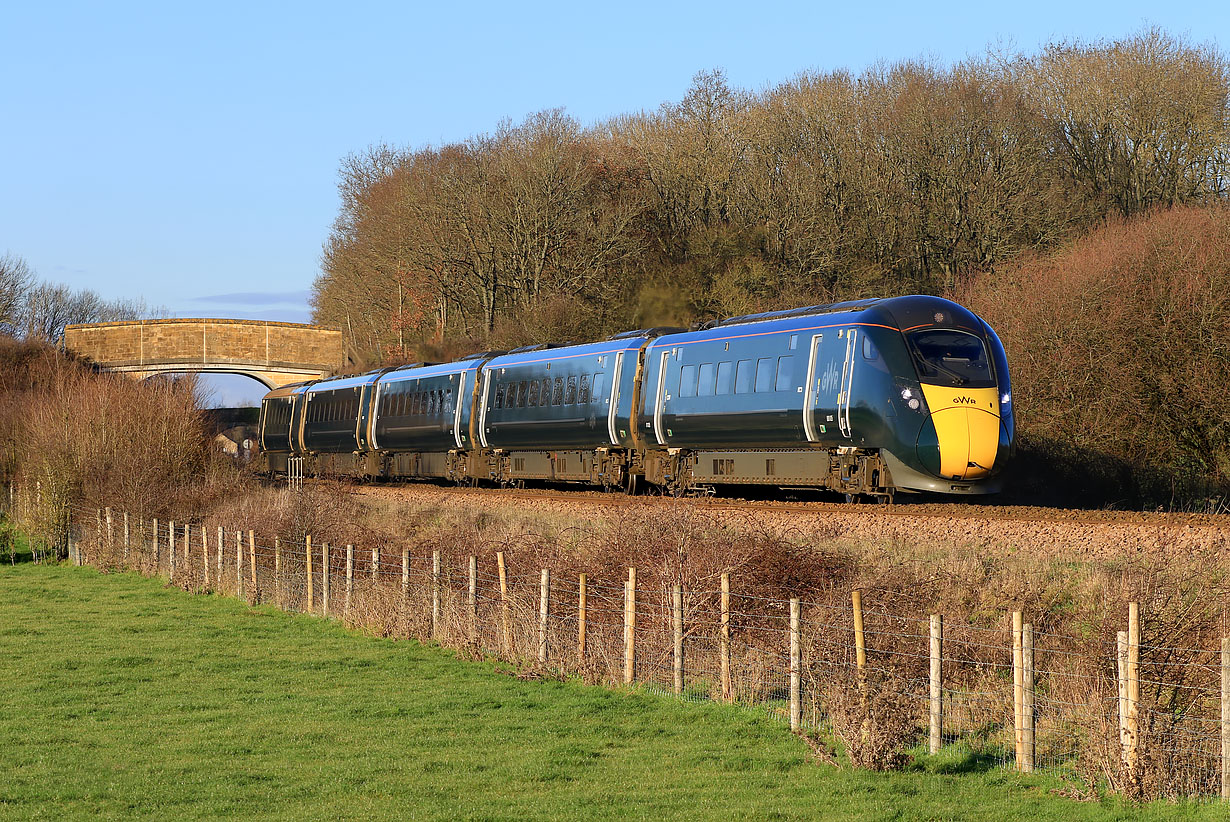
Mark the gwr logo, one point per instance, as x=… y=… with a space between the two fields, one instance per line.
x=964 y=400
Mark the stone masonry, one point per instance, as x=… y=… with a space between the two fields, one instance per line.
x=272 y=352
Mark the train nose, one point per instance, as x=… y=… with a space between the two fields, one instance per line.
x=967 y=429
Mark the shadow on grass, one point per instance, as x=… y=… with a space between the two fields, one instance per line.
x=963 y=762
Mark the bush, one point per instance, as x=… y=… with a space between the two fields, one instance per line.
x=1120 y=353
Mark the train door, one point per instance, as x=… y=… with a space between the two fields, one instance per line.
x=830 y=380
x=660 y=399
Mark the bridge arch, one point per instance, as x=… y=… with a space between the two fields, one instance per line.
x=273 y=353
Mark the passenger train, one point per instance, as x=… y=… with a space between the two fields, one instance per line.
x=865 y=398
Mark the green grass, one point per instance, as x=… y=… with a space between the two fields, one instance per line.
x=122 y=698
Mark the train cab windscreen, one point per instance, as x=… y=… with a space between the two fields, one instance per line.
x=954 y=358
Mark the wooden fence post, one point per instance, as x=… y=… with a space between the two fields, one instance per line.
x=126 y=539
x=325 y=572
x=1121 y=648
x=156 y=562
x=936 y=723
x=349 y=582
x=375 y=569
x=507 y=629
x=221 y=539
x=277 y=571
x=544 y=604
x=307 y=540
x=472 y=599
x=630 y=627
x=110 y=530
x=405 y=575
x=239 y=563
x=1133 y=692
x=677 y=626
x=1225 y=718
x=205 y=554
x=727 y=691
x=171 y=548
x=1027 y=698
x=187 y=552
x=435 y=593
x=796 y=664
x=860 y=656
x=582 y=594
x=1018 y=687
x=256 y=593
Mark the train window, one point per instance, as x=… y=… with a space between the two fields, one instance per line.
x=764 y=374
x=583 y=390
x=687 y=381
x=420 y=403
x=439 y=401
x=951 y=358
x=533 y=399
x=499 y=397
x=523 y=388
x=704 y=384
x=448 y=401
x=785 y=374
x=557 y=395
x=725 y=377
x=869 y=350
x=544 y=396
x=570 y=391
x=794 y=341
x=596 y=394
x=743 y=377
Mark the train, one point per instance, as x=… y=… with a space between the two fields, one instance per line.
x=868 y=399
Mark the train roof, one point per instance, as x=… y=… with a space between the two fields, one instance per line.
x=538 y=354
x=896 y=313
x=419 y=371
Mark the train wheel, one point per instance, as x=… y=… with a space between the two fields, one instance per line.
x=632 y=484
x=852 y=499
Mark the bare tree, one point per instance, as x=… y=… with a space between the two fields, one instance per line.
x=15 y=281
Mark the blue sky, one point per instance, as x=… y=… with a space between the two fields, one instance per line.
x=187 y=153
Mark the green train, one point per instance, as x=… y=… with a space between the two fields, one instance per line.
x=866 y=398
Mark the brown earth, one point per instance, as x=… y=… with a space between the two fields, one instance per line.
x=1058 y=533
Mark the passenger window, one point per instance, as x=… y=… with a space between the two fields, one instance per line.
x=687 y=381
x=533 y=400
x=725 y=377
x=570 y=391
x=743 y=377
x=544 y=396
x=764 y=374
x=704 y=385
x=794 y=341
x=523 y=388
x=499 y=397
x=557 y=396
x=429 y=401
x=583 y=390
x=599 y=379
x=785 y=374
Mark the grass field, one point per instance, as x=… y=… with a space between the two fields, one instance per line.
x=122 y=698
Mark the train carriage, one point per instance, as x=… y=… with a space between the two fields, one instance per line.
x=864 y=398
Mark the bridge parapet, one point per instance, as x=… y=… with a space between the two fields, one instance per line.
x=275 y=353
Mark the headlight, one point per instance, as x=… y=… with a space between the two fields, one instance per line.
x=912 y=397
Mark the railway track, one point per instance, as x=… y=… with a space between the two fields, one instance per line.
x=573 y=499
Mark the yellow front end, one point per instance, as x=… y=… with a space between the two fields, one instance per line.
x=967 y=425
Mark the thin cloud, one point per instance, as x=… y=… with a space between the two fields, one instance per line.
x=256 y=298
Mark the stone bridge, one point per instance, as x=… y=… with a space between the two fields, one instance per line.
x=274 y=353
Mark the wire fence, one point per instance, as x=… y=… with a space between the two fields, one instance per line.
x=862 y=680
